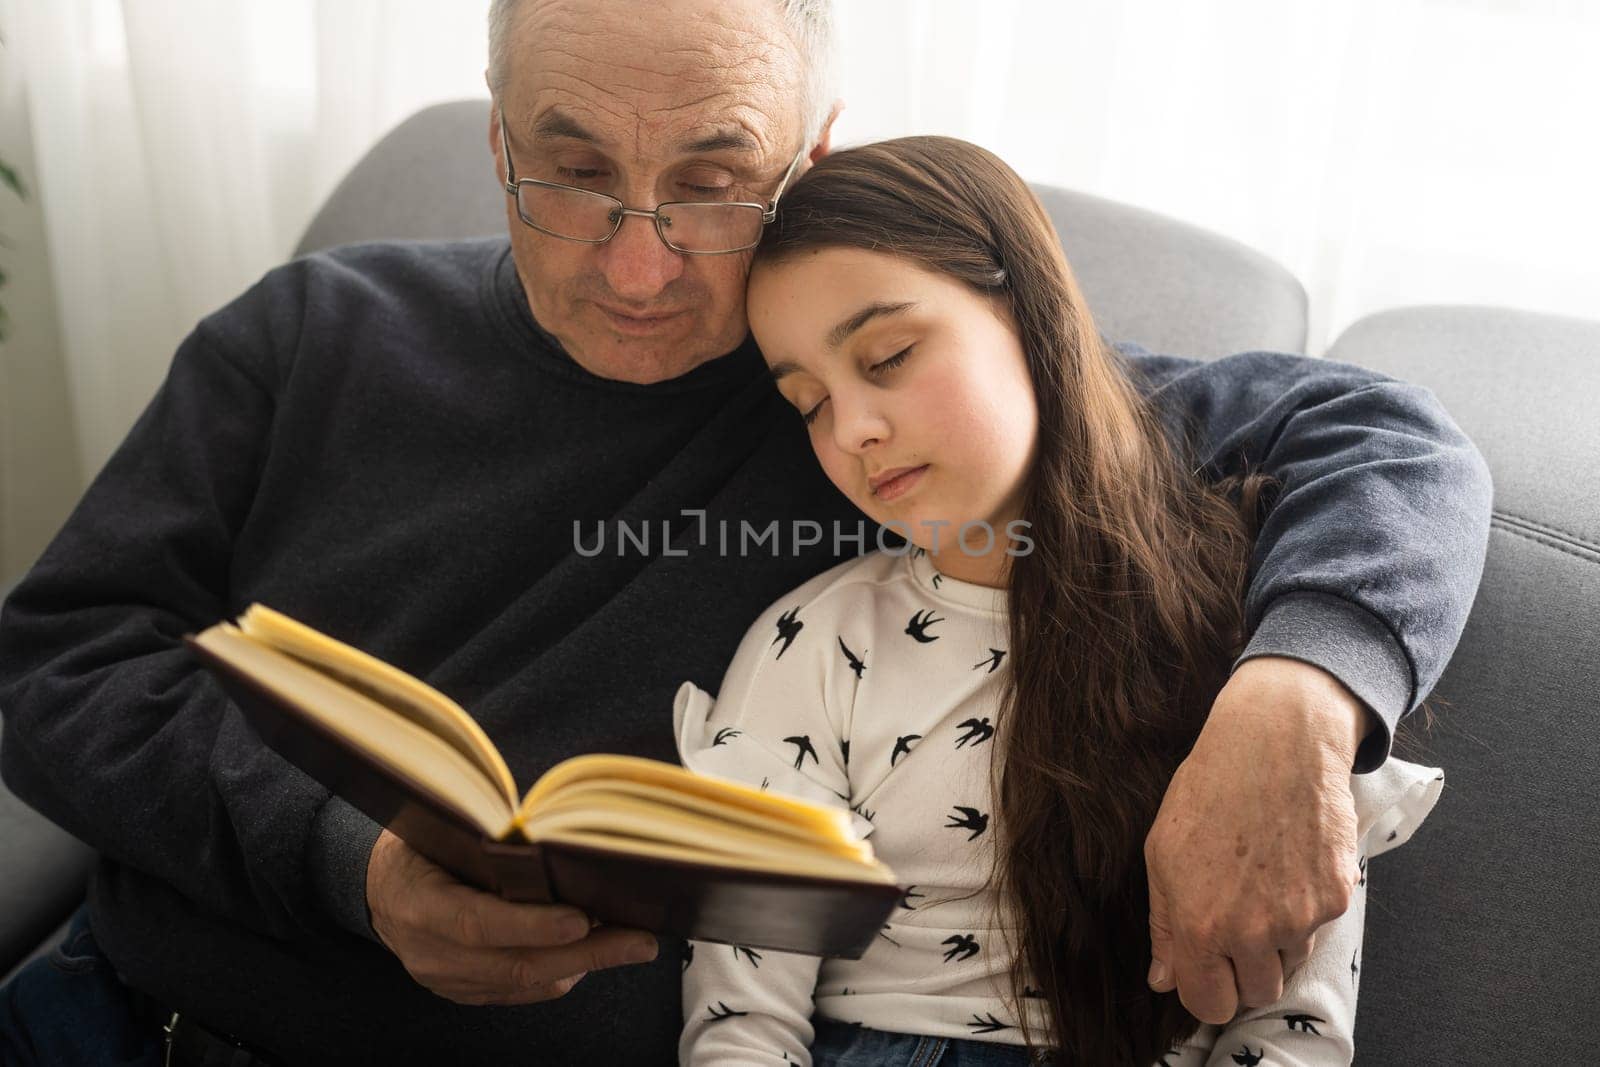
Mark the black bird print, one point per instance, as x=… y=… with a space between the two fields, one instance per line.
x=992 y=659
x=802 y=743
x=1303 y=1023
x=882 y=932
x=789 y=625
x=969 y=819
x=1354 y=970
x=917 y=552
x=748 y=953
x=844 y=750
x=1246 y=1058
x=905 y=898
x=845 y=992
x=977 y=731
x=987 y=1024
x=864 y=812
x=725 y=1013
x=918 y=626
x=765 y=782
x=688 y=954
x=1392 y=835
x=1361 y=865
x=962 y=947
x=937 y=578
x=857 y=665
x=724 y=735
x=902 y=747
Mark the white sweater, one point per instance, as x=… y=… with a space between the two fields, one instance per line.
x=875 y=686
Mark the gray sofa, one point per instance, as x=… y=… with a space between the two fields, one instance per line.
x=1482 y=931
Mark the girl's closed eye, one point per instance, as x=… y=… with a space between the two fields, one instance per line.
x=893 y=361
x=810 y=416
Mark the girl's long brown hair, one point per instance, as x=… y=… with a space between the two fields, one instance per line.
x=1125 y=618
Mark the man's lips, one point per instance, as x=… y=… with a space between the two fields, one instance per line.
x=629 y=321
x=889 y=484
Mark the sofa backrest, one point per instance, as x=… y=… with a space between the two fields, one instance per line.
x=1482 y=932
x=1170 y=286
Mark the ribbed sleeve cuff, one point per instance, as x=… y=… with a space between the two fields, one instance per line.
x=341 y=843
x=1349 y=643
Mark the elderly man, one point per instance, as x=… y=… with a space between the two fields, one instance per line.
x=395 y=441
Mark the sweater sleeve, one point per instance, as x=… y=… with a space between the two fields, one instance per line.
x=769 y=727
x=1368 y=560
x=112 y=729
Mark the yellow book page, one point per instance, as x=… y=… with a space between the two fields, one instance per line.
x=822 y=833
x=810 y=865
x=394 y=740
x=616 y=771
x=386 y=684
x=605 y=812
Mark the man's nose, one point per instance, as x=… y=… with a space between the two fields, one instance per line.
x=636 y=264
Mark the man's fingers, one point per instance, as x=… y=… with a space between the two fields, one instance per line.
x=526 y=975
x=1206 y=987
x=476 y=919
x=1260 y=979
x=1162 y=978
x=1294 y=956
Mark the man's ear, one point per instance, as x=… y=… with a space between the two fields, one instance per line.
x=824 y=143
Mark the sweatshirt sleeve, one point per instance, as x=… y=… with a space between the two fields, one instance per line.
x=112 y=729
x=1368 y=560
x=769 y=727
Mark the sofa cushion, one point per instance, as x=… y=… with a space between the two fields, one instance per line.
x=1482 y=932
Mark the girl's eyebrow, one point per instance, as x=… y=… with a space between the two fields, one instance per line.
x=847 y=326
x=841 y=333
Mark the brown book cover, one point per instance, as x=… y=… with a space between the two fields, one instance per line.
x=761 y=908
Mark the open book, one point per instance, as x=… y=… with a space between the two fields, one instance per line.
x=630 y=841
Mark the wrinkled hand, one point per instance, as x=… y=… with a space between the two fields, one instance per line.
x=1254 y=847
x=475 y=948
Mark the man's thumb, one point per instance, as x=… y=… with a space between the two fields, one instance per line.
x=1161 y=948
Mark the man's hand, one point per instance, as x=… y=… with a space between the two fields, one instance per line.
x=475 y=948
x=1254 y=847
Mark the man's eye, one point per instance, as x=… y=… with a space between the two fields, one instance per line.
x=706 y=192
x=579 y=174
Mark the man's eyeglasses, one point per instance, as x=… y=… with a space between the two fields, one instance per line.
x=696 y=228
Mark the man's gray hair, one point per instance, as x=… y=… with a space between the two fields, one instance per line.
x=810 y=23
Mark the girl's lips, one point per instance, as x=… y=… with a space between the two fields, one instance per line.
x=900 y=484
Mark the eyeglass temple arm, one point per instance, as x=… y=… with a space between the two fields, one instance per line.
x=772 y=205
x=505 y=150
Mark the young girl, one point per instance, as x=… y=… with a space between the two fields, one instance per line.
x=1003 y=705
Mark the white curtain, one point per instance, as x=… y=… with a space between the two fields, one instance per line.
x=1386 y=151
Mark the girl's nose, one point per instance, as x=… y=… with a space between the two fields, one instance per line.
x=858 y=423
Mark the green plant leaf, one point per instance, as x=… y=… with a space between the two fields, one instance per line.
x=9 y=176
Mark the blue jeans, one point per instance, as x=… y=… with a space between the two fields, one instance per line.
x=70 y=1007
x=843 y=1045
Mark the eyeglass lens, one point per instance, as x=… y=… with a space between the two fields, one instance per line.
x=690 y=227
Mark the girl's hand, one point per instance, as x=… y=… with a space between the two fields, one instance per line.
x=1254 y=847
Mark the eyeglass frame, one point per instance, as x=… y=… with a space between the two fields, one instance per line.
x=769 y=210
